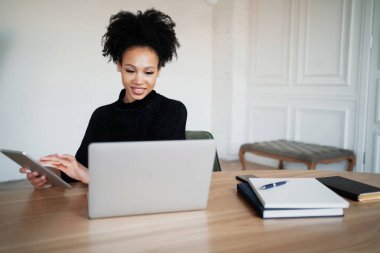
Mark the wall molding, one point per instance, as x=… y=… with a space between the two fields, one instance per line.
x=305 y=74
x=342 y=113
x=260 y=75
x=267 y=94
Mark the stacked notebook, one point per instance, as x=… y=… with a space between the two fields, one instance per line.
x=298 y=197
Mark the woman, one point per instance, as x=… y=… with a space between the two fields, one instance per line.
x=140 y=45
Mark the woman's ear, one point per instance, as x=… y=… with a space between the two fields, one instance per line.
x=118 y=67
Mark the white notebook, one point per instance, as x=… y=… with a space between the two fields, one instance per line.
x=296 y=193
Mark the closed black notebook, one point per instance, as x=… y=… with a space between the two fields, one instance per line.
x=351 y=189
x=249 y=195
x=245 y=190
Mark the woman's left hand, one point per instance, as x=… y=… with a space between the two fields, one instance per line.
x=69 y=165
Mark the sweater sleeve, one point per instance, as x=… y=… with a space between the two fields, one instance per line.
x=172 y=124
x=89 y=137
x=82 y=153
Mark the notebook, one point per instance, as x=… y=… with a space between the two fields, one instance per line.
x=131 y=178
x=296 y=193
x=249 y=195
x=351 y=189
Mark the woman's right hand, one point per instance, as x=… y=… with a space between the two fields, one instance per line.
x=38 y=182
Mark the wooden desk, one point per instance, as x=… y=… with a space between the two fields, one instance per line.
x=56 y=221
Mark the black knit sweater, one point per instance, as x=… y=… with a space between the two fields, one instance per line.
x=153 y=118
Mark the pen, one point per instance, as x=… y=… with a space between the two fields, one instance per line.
x=271 y=185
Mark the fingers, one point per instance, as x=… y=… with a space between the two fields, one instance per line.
x=25 y=170
x=61 y=167
x=68 y=164
x=37 y=181
x=49 y=158
x=68 y=157
x=64 y=162
x=55 y=158
x=52 y=155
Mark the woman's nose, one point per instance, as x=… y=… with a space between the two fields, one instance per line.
x=138 y=79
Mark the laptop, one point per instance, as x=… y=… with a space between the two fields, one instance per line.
x=132 y=178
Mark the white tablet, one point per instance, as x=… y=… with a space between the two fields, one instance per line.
x=22 y=159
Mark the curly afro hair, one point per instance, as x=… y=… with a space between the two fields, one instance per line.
x=152 y=29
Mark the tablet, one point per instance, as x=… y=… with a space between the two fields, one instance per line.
x=22 y=159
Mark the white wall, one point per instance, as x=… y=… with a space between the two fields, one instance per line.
x=248 y=70
x=52 y=73
x=230 y=73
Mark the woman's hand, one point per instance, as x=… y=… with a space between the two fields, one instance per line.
x=69 y=165
x=38 y=182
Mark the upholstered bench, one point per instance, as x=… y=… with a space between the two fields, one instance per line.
x=298 y=152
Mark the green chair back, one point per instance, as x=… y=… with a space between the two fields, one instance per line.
x=201 y=135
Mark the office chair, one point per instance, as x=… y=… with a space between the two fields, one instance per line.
x=201 y=135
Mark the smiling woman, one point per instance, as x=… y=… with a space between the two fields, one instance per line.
x=140 y=45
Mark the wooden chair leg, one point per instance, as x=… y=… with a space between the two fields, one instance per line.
x=242 y=159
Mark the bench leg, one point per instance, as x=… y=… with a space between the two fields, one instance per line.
x=311 y=166
x=351 y=163
x=281 y=165
x=242 y=159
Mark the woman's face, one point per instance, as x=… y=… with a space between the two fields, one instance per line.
x=139 y=71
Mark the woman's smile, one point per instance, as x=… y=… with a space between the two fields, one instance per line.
x=138 y=91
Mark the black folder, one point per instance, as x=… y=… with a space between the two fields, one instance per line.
x=351 y=189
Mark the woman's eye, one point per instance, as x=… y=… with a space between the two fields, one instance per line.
x=129 y=71
x=149 y=73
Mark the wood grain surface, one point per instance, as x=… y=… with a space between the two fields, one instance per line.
x=55 y=220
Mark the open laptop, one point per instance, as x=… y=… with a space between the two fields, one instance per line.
x=130 y=178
